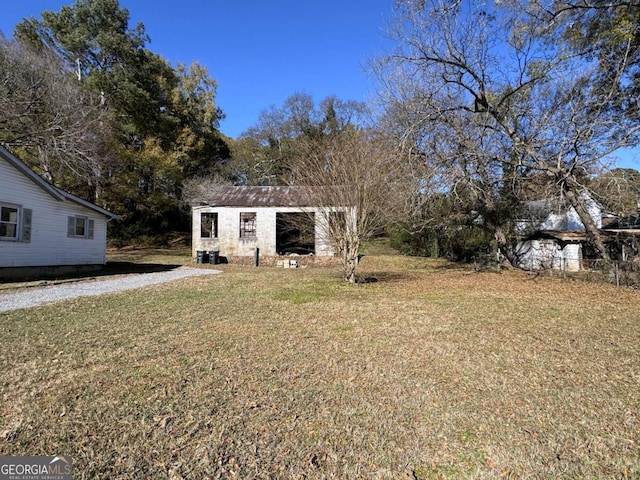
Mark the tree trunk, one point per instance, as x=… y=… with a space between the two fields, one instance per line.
x=593 y=233
x=349 y=258
x=503 y=245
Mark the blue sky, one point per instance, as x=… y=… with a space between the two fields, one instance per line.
x=262 y=51
x=259 y=51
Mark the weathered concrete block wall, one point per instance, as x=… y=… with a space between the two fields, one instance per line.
x=546 y=254
x=229 y=243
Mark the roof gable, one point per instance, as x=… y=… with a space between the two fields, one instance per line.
x=30 y=174
x=57 y=193
x=559 y=215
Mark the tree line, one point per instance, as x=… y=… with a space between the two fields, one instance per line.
x=482 y=107
x=89 y=106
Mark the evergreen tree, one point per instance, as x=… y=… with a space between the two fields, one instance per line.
x=165 y=119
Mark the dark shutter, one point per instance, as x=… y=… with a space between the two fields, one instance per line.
x=71 y=227
x=27 y=214
x=90 y=228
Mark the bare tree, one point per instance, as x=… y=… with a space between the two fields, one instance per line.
x=619 y=191
x=50 y=120
x=360 y=182
x=496 y=99
x=202 y=190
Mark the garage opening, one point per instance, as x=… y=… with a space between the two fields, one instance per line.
x=295 y=233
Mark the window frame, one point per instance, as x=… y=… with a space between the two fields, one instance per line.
x=17 y=223
x=88 y=226
x=248 y=225
x=80 y=221
x=214 y=224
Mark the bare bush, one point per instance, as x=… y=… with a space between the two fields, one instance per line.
x=202 y=190
x=363 y=183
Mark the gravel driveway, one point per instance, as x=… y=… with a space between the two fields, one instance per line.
x=34 y=296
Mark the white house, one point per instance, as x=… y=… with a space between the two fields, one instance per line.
x=275 y=220
x=552 y=236
x=44 y=229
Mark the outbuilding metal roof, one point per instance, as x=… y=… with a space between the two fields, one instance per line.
x=224 y=196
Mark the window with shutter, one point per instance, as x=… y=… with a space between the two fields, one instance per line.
x=71 y=227
x=79 y=227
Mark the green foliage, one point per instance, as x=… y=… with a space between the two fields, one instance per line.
x=164 y=119
x=608 y=33
x=455 y=242
x=412 y=243
x=264 y=153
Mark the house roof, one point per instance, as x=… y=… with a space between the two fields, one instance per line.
x=57 y=193
x=608 y=234
x=562 y=235
x=625 y=223
x=227 y=196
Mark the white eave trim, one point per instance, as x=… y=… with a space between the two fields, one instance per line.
x=84 y=203
x=55 y=192
x=33 y=176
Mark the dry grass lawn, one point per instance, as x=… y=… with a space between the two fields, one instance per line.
x=432 y=372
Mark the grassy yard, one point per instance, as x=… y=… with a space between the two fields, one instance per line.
x=432 y=372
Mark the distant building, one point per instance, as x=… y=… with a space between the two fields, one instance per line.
x=235 y=221
x=552 y=235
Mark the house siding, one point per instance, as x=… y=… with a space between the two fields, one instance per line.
x=49 y=244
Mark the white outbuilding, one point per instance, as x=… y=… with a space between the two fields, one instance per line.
x=239 y=221
x=552 y=237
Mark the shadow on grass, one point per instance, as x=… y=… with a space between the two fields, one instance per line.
x=453 y=266
x=413 y=271
x=384 y=277
x=111 y=269
x=119 y=268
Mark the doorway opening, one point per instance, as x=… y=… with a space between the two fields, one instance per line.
x=295 y=233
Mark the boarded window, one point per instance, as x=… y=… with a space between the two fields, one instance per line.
x=247 y=225
x=208 y=225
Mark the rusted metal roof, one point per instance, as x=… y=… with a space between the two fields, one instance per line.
x=563 y=235
x=224 y=196
x=581 y=236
